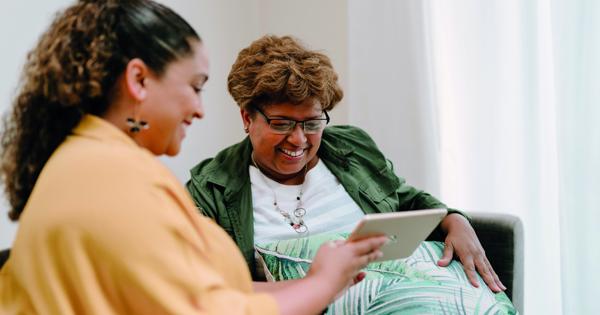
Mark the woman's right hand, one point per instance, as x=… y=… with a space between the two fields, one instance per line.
x=338 y=263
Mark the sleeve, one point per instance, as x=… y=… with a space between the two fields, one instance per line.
x=412 y=199
x=159 y=263
x=203 y=198
x=204 y=201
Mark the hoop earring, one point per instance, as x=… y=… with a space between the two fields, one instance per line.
x=136 y=126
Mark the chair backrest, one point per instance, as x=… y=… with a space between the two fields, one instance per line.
x=4 y=256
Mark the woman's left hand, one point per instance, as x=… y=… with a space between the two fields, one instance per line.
x=462 y=240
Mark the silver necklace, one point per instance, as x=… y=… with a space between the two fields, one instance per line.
x=296 y=218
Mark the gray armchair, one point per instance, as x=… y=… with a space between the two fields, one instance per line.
x=501 y=236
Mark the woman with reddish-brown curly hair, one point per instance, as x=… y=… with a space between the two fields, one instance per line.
x=104 y=227
x=293 y=183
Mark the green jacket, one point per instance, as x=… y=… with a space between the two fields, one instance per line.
x=220 y=186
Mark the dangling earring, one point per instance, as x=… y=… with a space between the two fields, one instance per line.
x=136 y=126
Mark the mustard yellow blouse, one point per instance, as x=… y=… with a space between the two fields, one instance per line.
x=109 y=230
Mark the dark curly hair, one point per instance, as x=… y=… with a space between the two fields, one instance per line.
x=280 y=69
x=72 y=72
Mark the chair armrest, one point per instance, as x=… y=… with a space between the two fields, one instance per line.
x=501 y=236
x=4 y=256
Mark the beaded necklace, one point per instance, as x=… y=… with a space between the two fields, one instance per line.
x=296 y=218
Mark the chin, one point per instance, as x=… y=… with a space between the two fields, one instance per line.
x=172 y=151
x=290 y=171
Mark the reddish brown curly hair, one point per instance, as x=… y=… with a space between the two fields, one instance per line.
x=280 y=69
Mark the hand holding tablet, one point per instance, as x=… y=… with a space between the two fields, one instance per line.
x=405 y=230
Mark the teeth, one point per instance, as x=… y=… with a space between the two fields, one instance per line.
x=293 y=153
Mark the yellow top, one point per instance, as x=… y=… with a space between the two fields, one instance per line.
x=109 y=230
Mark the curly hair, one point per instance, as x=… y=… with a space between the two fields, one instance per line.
x=280 y=69
x=72 y=72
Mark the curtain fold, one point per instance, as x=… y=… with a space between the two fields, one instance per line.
x=492 y=106
x=577 y=34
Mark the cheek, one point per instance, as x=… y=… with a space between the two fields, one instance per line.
x=315 y=142
x=264 y=139
x=192 y=101
x=267 y=144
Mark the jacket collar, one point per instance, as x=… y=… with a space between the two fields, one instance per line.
x=229 y=168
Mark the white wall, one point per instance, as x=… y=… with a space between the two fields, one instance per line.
x=389 y=86
x=226 y=26
x=21 y=23
x=321 y=25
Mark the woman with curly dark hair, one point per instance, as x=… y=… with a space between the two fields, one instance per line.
x=104 y=227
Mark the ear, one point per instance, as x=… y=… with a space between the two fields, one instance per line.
x=135 y=74
x=246 y=118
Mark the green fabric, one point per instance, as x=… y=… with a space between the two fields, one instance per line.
x=221 y=189
x=415 y=285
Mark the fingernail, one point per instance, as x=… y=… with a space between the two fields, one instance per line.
x=361 y=276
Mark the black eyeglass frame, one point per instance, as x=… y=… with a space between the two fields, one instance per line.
x=296 y=122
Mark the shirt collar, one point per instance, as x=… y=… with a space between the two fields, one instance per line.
x=95 y=127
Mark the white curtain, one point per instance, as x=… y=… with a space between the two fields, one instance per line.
x=577 y=32
x=489 y=104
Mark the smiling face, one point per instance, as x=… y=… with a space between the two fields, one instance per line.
x=172 y=102
x=283 y=157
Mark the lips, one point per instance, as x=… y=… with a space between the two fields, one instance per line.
x=184 y=126
x=293 y=153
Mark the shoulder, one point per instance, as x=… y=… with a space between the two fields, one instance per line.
x=346 y=131
x=224 y=174
x=348 y=137
x=347 y=145
x=83 y=159
x=113 y=197
x=213 y=178
x=347 y=134
x=86 y=178
x=224 y=166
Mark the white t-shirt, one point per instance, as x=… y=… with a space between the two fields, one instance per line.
x=328 y=206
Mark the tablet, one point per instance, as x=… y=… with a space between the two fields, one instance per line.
x=405 y=230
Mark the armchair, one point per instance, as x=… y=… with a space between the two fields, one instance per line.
x=501 y=236
x=4 y=256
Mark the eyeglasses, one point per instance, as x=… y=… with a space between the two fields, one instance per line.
x=286 y=126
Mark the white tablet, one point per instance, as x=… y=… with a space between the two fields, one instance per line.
x=405 y=230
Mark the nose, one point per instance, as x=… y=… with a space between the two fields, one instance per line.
x=297 y=137
x=199 y=109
